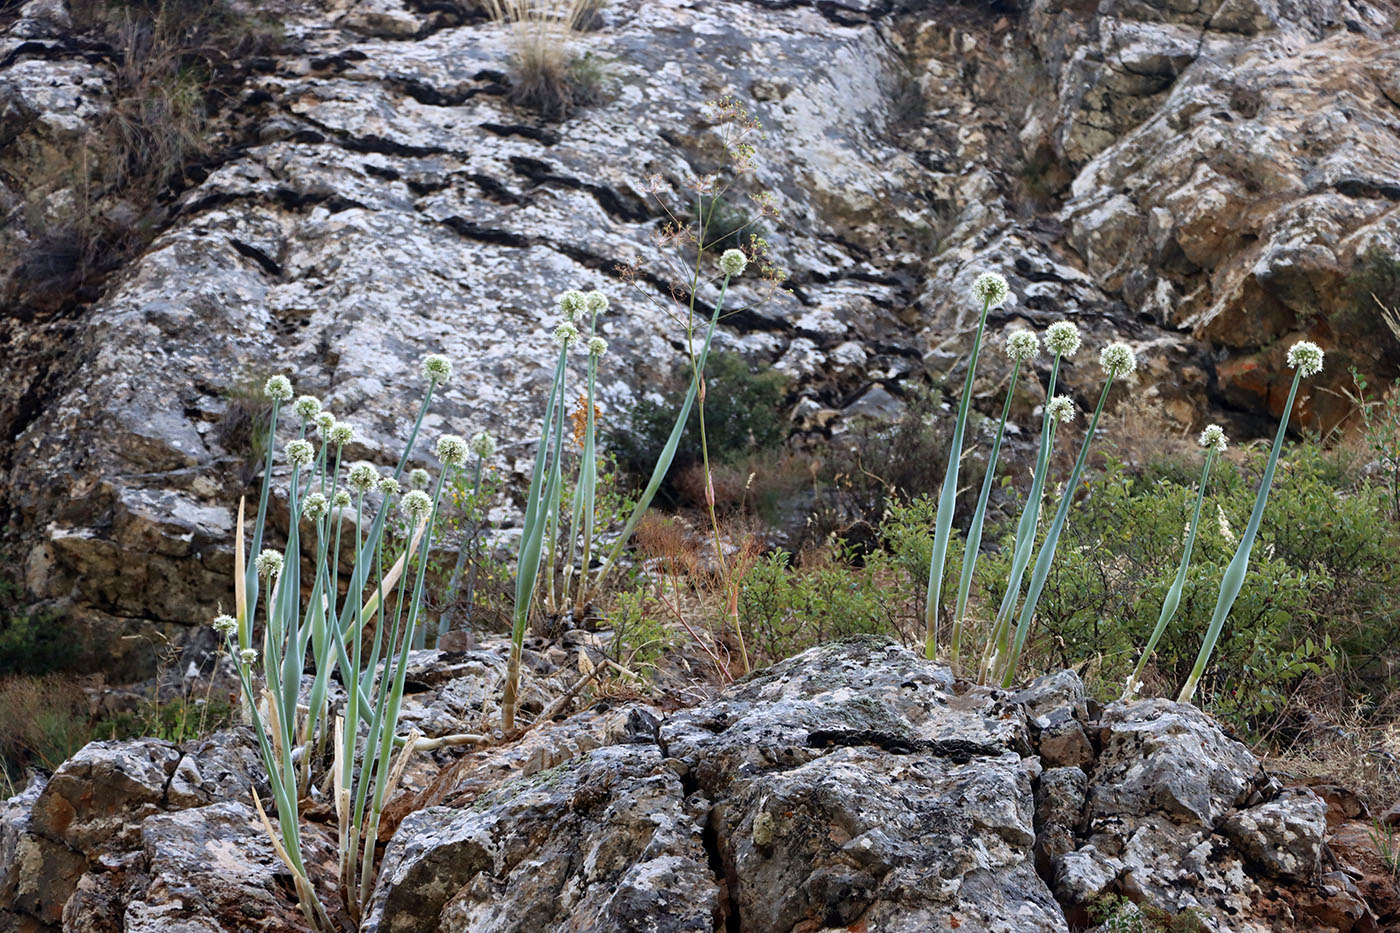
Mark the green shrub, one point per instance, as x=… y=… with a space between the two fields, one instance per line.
x=743 y=415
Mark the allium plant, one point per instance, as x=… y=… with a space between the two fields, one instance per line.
x=989 y=289
x=1213 y=440
x=1305 y=358
x=1117 y=361
x=1021 y=346
x=290 y=718
x=1061 y=339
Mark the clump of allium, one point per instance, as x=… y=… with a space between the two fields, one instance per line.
x=1117 y=359
x=1062 y=338
x=437 y=369
x=417 y=504
x=597 y=302
x=1061 y=408
x=362 y=477
x=225 y=625
x=248 y=655
x=300 y=453
x=315 y=507
x=572 y=303
x=483 y=444
x=597 y=346
x=1213 y=436
x=1022 y=345
x=390 y=486
x=990 y=289
x=340 y=434
x=451 y=450
x=566 y=333
x=732 y=262
x=308 y=407
x=278 y=388
x=268 y=563
x=418 y=478
x=341 y=500
x=1306 y=357
x=325 y=421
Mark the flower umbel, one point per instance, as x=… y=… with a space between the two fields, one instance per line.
x=566 y=333
x=437 y=369
x=483 y=444
x=597 y=346
x=1306 y=357
x=596 y=302
x=300 y=453
x=1061 y=408
x=362 y=477
x=308 y=407
x=269 y=563
x=248 y=655
x=315 y=507
x=340 y=434
x=390 y=486
x=225 y=625
x=990 y=289
x=572 y=303
x=325 y=421
x=1062 y=338
x=1117 y=359
x=417 y=504
x=341 y=499
x=451 y=450
x=1213 y=436
x=1022 y=345
x=732 y=262
x=418 y=478
x=278 y=388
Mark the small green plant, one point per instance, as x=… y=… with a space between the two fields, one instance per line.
x=1383 y=837
x=43 y=721
x=1113 y=913
x=1380 y=419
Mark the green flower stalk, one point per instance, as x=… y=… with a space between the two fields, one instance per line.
x=483 y=446
x=989 y=289
x=1021 y=347
x=1062 y=339
x=1305 y=357
x=1117 y=360
x=1213 y=440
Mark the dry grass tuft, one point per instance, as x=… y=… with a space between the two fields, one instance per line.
x=548 y=76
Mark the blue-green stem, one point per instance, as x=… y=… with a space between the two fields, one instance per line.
x=1233 y=580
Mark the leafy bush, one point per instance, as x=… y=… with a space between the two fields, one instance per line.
x=743 y=415
x=30 y=642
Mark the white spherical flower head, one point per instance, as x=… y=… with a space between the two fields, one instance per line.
x=437 y=369
x=308 y=407
x=1061 y=409
x=1022 y=345
x=278 y=388
x=732 y=262
x=597 y=346
x=1062 y=338
x=300 y=453
x=390 y=486
x=340 y=434
x=248 y=656
x=1213 y=436
x=572 y=303
x=362 y=477
x=268 y=563
x=416 y=503
x=341 y=499
x=225 y=625
x=596 y=302
x=483 y=444
x=324 y=422
x=566 y=333
x=1117 y=359
x=990 y=289
x=315 y=507
x=452 y=450
x=418 y=478
x=1306 y=357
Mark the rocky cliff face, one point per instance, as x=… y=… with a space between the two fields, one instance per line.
x=1196 y=178
x=853 y=787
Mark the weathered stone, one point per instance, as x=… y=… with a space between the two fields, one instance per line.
x=1284 y=835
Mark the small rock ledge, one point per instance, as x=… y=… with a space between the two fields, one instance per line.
x=854 y=786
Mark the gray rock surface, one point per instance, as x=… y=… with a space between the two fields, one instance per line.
x=1181 y=176
x=855 y=784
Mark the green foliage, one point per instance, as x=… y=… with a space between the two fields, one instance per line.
x=32 y=642
x=1380 y=418
x=1116 y=914
x=725 y=224
x=641 y=633
x=1322 y=592
x=743 y=414
x=178 y=720
x=43 y=720
x=1383 y=837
